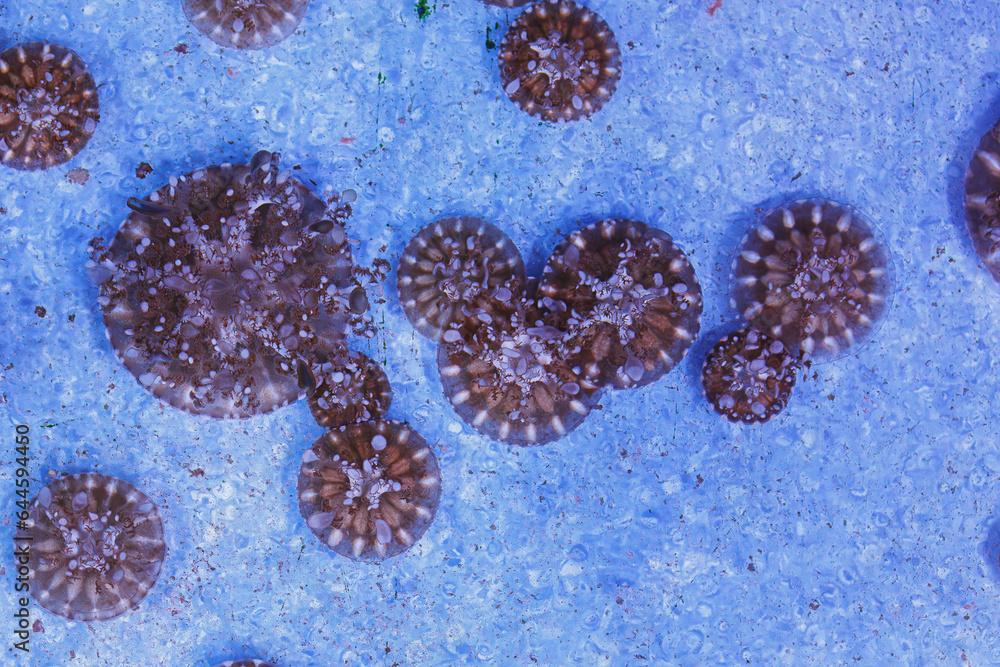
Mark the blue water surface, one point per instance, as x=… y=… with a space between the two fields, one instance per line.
x=859 y=527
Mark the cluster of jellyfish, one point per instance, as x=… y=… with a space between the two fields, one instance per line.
x=524 y=361
x=810 y=281
x=229 y=291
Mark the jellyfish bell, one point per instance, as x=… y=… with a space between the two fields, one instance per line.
x=369 y=491
x=513 y=380
x=218 y=285
x=458 y=269
x=96 y=546
x=350 y=389
x=813 y=275
x=246 y=24
x=982 y=200
x=748 y=376
x=559 y=61
x=49 y=106
x=628 y=299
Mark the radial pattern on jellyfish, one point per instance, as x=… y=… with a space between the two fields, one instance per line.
x=514 y=382
x=812 y=275
x=748 y=376
x=627 y=298
x=221 y=284
x=48 y=106
x=245 y=663
x=369 y=491
x=96 y=546
x=559 y=61
x=246 y=24
x=982 y=200
x=351 y=388
x=458 y=269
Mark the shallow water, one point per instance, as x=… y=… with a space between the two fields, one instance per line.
x=860 y=526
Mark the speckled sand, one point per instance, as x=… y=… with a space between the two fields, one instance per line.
x=861 y=526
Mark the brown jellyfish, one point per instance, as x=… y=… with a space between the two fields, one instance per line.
x=48 y=106
x=96 y=546
x=246 y=24
x=513 y=381
x=559 y=61
x=748 y=376
x=351 y=389
x=245 y=663
x=369 y=491
x=982 y=200
x=627 y=298
x=221 y=284
x=458 y=269
x=812 y=275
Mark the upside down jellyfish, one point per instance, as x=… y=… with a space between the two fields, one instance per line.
x=458 y=269
x=96 y=546
x=748 y=376
x=982 y=200
x=369 y=491
x=223 y=283
x=514 y=381
x=559 y=61
x=48 y=106
x=626 y=298
x=246 y=24
x=813 y=276
x=351 y=389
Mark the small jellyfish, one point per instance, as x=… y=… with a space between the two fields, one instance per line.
x=748 y=376
x=48 y=106
x=628 y=299
x=513 y=382
x=96 y=546
x=812 y=275
x=252 y=662
x=458 y=269
x=982 y=200
x=246 y=24
x=223 y=282
x=559 y=61
x=369 y=491
x=350 y=389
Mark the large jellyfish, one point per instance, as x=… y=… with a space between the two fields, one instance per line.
x=223 y=283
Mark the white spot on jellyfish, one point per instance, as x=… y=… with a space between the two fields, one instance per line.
x=382 y=531
x=379 y=442
x=320 y=520
x=79 y=501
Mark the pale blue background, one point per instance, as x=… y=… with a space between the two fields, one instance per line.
x=874 y=498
